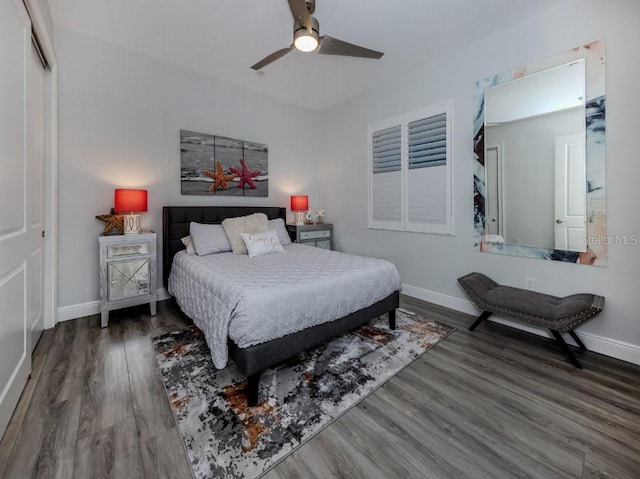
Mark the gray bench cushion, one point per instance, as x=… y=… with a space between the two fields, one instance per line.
x=559 y=314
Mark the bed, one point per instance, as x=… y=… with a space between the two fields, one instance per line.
x=250 y=356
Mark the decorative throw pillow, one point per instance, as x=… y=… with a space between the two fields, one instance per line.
x=259 y=244
x=188 y=244
x=255 y=223
x=208 y=239
x=278 y=226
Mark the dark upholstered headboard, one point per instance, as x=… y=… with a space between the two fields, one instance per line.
x=176 y=219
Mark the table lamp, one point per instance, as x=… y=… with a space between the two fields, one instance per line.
x=130 y=202
x=299 y=205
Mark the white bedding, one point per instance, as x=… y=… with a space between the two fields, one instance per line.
x=254 y=300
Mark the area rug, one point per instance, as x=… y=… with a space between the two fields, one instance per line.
x=225 y=438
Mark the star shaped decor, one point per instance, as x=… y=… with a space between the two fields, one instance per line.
x=219 y=178
x=114 y=224
x=246 y=176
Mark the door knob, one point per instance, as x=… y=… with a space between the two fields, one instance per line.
x=559 y=221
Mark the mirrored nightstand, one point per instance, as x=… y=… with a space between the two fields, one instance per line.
x=318 y=235
x=127 y=272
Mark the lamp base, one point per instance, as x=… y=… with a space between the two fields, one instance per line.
x=299 y=218
x=131 y=224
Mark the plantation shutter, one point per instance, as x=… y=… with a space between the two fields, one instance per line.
x=385 y=176
x=427 y=195
x=410 y=171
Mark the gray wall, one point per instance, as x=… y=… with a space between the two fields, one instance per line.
x=120 y=114
x=46 y=16
x=430 y=264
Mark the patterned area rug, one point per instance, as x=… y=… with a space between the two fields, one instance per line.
x=223 y=437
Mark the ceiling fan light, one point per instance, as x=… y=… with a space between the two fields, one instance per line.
x=305 y=41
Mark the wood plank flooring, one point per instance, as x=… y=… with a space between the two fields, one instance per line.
x=495 y=403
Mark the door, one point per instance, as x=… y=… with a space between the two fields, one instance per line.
x=15 y=337
x=35 y=185
x=493 y=208
x=570 y=194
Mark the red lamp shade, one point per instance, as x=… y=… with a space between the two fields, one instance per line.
x=299 y=203
x=132 y=201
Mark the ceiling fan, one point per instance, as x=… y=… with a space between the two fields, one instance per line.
x=306 y=37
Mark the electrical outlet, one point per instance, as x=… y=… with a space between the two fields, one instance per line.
x=531 y=283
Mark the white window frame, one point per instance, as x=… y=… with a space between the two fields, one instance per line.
x=403 y=223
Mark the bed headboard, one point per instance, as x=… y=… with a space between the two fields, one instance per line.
x=176 y=219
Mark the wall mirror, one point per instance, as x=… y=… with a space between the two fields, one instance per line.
x=539 y=159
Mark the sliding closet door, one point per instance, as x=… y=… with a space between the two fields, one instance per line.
x=35 y=185
x=15 y=336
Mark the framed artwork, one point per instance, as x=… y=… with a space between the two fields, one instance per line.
x=219 y=166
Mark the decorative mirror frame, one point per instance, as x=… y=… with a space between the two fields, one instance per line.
x=597 y=239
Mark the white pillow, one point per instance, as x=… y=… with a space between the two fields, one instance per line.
x=208 y=239
x=188 y=244
x=259 y=244
x=255 y=223
x=278 y=226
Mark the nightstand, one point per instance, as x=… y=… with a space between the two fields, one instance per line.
x=318 y=235
x=127 y=272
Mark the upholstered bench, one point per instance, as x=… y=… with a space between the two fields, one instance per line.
x=556 y=314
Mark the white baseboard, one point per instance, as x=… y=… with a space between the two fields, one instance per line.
x=66 y=313
x=603 y=345
x=163 y=294
x=599 y=344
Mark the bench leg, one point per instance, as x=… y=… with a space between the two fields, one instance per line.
x=565 y=348
x=482 y=317
x=253 y=386
x=577 y=340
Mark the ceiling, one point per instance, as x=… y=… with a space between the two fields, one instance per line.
x=223 y=38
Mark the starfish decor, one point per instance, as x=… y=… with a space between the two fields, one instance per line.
x=245 y=175
x=219 y=178
x=114 y=223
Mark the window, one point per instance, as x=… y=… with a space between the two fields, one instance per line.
x=410 y=166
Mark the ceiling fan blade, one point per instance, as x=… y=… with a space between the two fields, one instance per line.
x=333 y=46
x=272 y=58
x=300 y=13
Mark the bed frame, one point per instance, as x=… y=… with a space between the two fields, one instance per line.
x=255 y=359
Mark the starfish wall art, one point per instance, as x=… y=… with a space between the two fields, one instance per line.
x=221 y=166
x=219 y=178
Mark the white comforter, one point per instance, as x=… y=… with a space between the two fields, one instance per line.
x=254 y=300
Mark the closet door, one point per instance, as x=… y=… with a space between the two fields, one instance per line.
x=15 y=337
x=35 y=185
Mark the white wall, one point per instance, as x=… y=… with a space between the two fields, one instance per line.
x=120 y=114
x=429 y=264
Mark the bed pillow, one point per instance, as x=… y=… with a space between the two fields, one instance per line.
x=255 y=223
x=208 y=239
x=188 y=244
x=259 y=244
x=278 y=226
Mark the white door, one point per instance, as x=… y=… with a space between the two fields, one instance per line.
x=493 y=186
x=570 y=193
x=35 y=185
x=15 y=336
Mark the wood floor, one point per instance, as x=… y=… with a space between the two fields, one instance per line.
x=495 y=403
